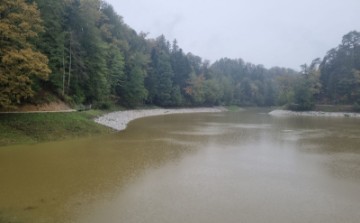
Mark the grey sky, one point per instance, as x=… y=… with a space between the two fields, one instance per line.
x=284 y=33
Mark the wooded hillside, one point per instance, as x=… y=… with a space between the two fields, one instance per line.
x=82 y=52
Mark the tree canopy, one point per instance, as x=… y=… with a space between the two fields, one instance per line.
x=82 y=52
x=21 y=63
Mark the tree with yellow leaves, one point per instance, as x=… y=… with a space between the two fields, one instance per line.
x=20 y=62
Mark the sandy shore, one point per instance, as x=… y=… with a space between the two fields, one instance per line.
x=283 y=113
x=119 y=120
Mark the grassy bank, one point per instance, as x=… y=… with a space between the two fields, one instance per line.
x=42 y=127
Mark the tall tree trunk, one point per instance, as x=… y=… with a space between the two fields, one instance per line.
x=70 y=60
x=64 y=73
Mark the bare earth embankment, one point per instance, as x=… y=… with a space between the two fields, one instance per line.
x=119 y=120
x=51 y=107
x=283 y=113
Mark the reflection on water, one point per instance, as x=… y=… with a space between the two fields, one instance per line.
x=231 y=167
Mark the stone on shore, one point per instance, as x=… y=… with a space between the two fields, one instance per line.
x=284 y=113
x=119 y=120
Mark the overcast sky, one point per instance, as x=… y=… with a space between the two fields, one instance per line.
x=284 y=33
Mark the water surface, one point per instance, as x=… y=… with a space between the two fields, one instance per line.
x=222 y=167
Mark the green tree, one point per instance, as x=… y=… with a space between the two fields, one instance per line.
x=160 y=79
x=196 y=89
x=213 y=92
x=133 y=92
x=338 y=71
x=180 y=66
x=303 y=97
x=116 y=65
x=95 y=85
x=245 y=83
x=52 y=43
x=21 y=63
x=307 y=87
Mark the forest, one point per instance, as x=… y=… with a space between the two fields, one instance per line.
x=82 y=52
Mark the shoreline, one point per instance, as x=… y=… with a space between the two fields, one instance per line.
x=120 y=119
x=287 y=113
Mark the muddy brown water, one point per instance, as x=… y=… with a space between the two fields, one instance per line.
x=242 y=166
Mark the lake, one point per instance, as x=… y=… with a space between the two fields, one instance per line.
x=231 y=167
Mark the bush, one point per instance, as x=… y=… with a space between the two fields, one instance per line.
x=303 y=97
x=105 y=106
x=300 y=107
x=356 y=107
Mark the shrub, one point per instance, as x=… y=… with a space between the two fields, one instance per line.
x=356 y=107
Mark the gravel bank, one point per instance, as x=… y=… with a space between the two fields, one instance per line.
x=119 y=120
x=282 y=113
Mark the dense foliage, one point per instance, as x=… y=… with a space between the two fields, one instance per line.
x=95 y=58
x=340 y=71
x=21 y=64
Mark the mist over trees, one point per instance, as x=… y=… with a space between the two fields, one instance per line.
x=82 y=52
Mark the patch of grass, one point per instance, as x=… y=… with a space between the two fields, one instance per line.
x=42 y=127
